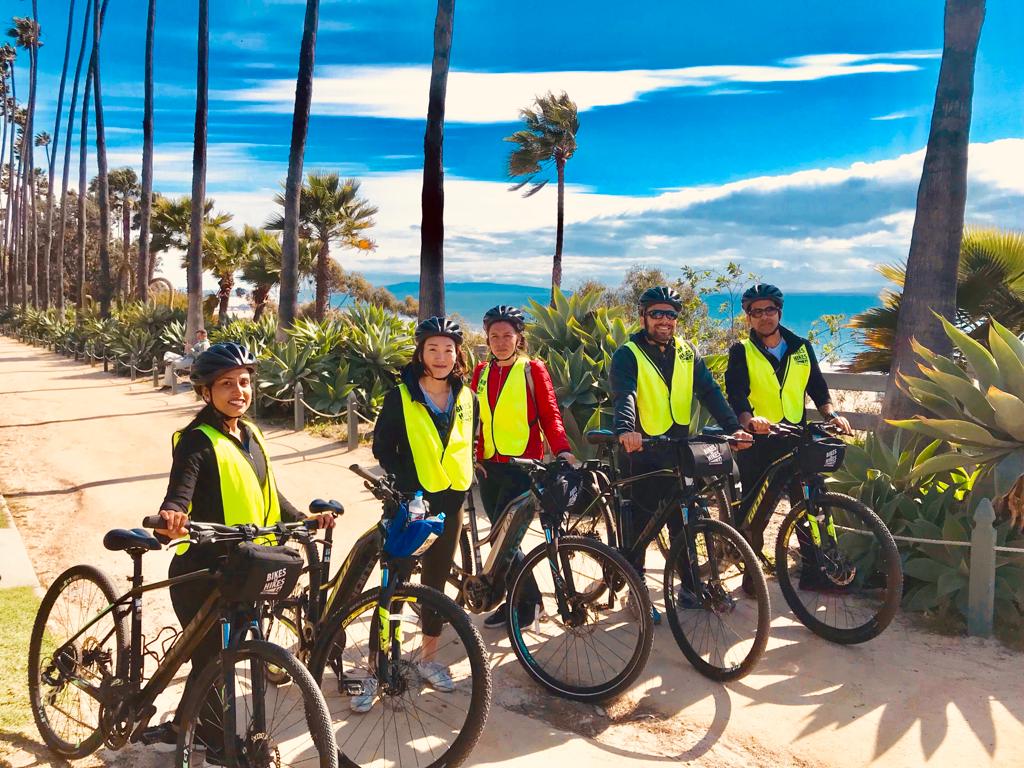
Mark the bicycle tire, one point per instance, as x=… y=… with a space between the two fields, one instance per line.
x=718 y=509
x=79 y=573
x=615 y=570
x=753 y=581
x=281 y=627
x=335 y=635
x=456 y=576
x=315 y=708
x=893 y=572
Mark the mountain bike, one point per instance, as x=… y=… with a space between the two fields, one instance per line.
x=368 y=652
x=87 y=653
x=569 y=623
x=716 y=596
x=835 y=561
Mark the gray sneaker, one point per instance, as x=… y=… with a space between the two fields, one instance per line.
x=436 y=676
x=364 y=701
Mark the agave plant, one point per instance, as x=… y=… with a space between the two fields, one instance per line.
x=329 y=393
x=256 y=336
x=283 y=367
x=982 y=416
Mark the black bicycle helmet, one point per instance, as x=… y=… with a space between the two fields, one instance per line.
x=439 y=326
x=660 y=294
x=504 y=313
x=222 y=356
x=762 y=292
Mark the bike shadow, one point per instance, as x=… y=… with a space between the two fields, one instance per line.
x=38 y=754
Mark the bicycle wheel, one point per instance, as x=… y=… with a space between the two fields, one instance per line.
x=721 y=623
x=282 y=622
x=600 y=647
x=68 y=718
x=848 y=587
x=275 y=725
x=414 y=718
x=718 y=508
x=453 y=584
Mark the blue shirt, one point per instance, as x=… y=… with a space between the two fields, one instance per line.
x=779 y=351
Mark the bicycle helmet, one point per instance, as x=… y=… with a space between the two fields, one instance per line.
x=222 y=356
x=504 y=313
x=762 y=292
x=660 y=294
x=439 y=326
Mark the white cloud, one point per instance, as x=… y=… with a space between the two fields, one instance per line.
x=490 y=97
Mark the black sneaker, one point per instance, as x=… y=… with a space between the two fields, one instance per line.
x=686 y=600
x=526 y=613
x=498 y=619
x=164 y=733
x=816 y=581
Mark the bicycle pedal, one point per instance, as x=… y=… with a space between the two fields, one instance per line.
x=353 y=687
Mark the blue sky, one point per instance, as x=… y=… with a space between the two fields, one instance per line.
x=787 y=136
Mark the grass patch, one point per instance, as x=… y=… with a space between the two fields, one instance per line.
x=18 y=606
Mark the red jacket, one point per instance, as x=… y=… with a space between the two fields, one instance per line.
x=543 y=401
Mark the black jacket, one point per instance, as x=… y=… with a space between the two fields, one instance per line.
x=623 y=377
x=195 y=476
x=737 y=377
x=390 y=439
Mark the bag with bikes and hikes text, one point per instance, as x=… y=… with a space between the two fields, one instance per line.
x=257 y=572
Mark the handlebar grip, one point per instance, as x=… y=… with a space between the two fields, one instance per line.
x=152 y=521
x=532 y=463
x=364 y=474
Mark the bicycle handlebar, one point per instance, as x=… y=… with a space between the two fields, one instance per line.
x=206 y=533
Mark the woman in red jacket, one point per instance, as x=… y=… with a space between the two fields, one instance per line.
x=517 y=404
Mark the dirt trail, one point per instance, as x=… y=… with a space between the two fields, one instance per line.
x=82 y=452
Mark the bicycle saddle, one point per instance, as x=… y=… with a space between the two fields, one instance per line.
x=601 y=437
x=318 y=506
x=136 y=539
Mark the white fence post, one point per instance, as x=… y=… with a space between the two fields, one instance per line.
x=300 y=411
x=982 y=585
x=353 y=422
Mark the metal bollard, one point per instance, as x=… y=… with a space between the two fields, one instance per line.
x=300 y=412
x=131 y=369
x=106 y=364
x=982 y=584
x=353 y=421
x=156 y=372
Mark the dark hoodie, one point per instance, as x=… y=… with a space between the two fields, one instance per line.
x=390 y=440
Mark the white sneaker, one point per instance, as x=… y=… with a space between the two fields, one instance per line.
x=364 y=701
x=436 y=676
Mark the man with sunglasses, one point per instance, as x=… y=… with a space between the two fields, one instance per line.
x=654 y=379
x=770 y=375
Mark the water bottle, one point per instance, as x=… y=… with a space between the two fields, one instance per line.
x=417 y=507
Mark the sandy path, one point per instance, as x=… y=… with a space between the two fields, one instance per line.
x=81 y=452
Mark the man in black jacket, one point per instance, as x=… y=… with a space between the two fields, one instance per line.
x=654 y=378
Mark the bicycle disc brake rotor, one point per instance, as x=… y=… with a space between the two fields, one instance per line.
x=260 y=752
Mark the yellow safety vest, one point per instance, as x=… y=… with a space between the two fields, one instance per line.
x=659 y=409
x=770 y=399
x=440 y=467
x=244 y=498
x=507 y=429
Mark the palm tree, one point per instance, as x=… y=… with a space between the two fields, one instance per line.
x=432 y=197
x=330 y=210
x=990 y=285
x=51 y=160
x=263 y=266
x=293 y=183
x=43 y=139
x=224 y=253
x=26 y=34
x=172 y=221
x=145 y=272
x=124 y=191
x=941 y=197
x=106 y=287
x=67 y=150
x=194 y=273
x=549 y=137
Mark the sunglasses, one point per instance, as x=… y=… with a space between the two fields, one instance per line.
x=660 y=314
x=762 y=311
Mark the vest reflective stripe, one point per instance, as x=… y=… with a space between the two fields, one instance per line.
x=659 y=409
x=245 y=500
x=440 y=467
x=770 y=399
x=507 y=429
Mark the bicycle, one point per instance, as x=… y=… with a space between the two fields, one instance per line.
x=582 y=642
x=716 y=596
x=369 y=645
x=87 y=681
x=836 y=563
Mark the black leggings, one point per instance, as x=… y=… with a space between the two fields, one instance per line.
x=503 y=483
x=645 y=496
x=436 y=563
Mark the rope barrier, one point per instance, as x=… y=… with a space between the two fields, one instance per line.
x=308 y=407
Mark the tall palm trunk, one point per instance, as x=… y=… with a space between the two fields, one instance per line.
x=293 y=185
x=941 y=197
x=194 y=267
x=62 y=229
x=224 y=286
x=106 y=288
x=126 y=245
x=146 y=206
x=83 y=156
x=51 y=161
x=32 y=228
x=323 y=276
x=4 y=285
x=432 y=197
x=260 y=292
x=556 y=264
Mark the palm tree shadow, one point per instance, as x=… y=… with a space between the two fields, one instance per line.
x=22 y=743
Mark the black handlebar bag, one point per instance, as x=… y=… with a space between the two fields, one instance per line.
x=706 y=459
x=256 y=572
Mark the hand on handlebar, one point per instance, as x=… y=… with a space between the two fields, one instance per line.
x=323 y=520
x=759 y=425
x=631 y=442
x=175 y=523
x=841 y=423
x=741 y=439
